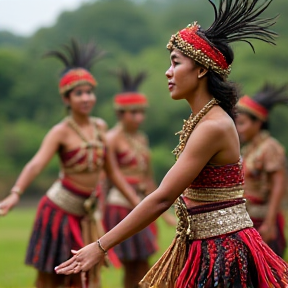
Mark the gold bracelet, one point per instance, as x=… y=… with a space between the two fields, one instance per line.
x=101 y=247
x=17 y=191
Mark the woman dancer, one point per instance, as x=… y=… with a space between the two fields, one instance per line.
x=215 y=244
x=264 y=164
x=130 y=148
x=64 y=219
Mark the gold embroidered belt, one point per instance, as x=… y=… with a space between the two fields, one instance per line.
x=67 y=200
x=201 y=222
x=214 y=194
x=212 y=220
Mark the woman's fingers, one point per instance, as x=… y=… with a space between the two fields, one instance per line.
x=69 y=263
x=3 y=210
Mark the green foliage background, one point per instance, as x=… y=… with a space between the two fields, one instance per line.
x=133 y=33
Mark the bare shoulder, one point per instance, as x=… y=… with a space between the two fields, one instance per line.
x=57 y=133
x=218 y=123
x=100 y=123
x=60 y=129
x=113 y=134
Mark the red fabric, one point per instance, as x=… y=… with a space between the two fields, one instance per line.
x=189 y=35
x=255 y=108
x=114 y=259
x=130 y=98
x=66 y=183
x=76 y=77
x=264 y=260
x=76 y=230
x=204 y=266
x=219 y=176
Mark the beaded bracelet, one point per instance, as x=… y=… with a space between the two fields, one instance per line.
x=101 y=247
x=17 y=191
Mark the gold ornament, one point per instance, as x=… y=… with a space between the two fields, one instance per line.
x=189 y=126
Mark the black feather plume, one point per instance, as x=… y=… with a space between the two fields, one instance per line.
x=128 y=82
x=271 y=95
x=238 y=20
x=76 y=55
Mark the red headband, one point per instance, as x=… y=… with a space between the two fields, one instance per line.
x=75 y=77
x=129 y=101
x=248 y=104
x=191 y=44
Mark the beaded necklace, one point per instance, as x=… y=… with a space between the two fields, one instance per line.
x=90 y=144
x=139 y=148
x=189 y=126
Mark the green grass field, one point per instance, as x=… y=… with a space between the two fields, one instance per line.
x=15 y=230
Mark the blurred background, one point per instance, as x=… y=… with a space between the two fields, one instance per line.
x=135 y=34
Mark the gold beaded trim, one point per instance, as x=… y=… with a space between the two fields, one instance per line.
x=189 y=126
x=213 y=223
x=71 y=86
x=176 y=42
x=214 y=194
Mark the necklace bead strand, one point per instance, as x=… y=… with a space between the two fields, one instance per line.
x=189 y=125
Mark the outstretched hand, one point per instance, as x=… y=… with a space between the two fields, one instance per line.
x=8 y=203
x=83 y=260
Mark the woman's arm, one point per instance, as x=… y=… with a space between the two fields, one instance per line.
x=46 y=151
x=201 y=147
x=278 y=186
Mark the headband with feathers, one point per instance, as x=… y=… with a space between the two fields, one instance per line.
x=78 y=59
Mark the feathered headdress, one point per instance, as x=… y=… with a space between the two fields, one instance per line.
x=78 y=59
x=130 y=98
x=264 y=100
x=235 y=20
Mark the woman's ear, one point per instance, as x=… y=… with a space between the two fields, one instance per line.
x=202 y=72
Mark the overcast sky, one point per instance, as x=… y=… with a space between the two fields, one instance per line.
x=24 y=17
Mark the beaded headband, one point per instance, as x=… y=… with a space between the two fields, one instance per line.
x=192 y=45
x=130 y=101
x=75 y=77
x=248 y=104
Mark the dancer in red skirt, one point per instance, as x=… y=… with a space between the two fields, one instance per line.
x=130 y=147
x=215 y=244
x=64 y=219
x=264 y=164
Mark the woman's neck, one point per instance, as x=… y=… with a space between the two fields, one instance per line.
x=81 y=120
x=199 y=99
x=128 y=130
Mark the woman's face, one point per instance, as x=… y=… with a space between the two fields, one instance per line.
x=247 y=128
x=81 y=99
x=132 y=119
x=182 y=76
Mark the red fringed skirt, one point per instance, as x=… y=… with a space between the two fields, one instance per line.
x=239 y=259
x=54 y=234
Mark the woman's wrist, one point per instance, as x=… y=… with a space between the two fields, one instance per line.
x=101 y=247
x=16 y=190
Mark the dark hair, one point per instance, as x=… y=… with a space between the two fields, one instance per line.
x=223 y=90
